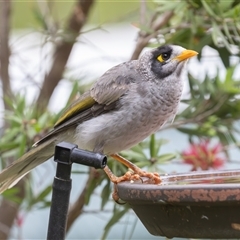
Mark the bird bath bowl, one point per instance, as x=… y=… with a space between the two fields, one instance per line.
x=191 y=205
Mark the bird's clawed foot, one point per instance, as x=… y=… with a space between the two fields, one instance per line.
x=131 y=176
x=116 y=197
x=135 y=174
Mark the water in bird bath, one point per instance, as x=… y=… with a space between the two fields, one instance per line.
x=213 y=177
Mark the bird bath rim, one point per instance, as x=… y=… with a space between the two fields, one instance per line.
x=194 y=187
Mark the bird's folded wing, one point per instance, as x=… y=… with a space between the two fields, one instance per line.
x=114 y=83
x=101 y=98
x=109 y=88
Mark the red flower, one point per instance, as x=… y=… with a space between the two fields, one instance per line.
x=203 y=156
x=19 y=220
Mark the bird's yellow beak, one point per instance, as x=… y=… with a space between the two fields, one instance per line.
x=185 y=55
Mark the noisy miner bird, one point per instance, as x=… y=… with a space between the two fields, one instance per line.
x=127 y=104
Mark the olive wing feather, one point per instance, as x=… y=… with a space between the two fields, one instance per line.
x=114 y=83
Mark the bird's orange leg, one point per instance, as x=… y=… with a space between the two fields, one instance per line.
x=128 y=176
x=137 y=172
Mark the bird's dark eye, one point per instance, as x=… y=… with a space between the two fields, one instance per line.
x=163 y=57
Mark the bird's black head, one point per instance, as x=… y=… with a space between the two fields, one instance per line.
x=169 y=59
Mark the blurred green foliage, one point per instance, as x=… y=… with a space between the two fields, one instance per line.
x=25 y=13
x=147 y=154
x=197 y=23
x=23 y=128
x=102 y=12
x=212 y=108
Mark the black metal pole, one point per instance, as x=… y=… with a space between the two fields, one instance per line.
x=65 y=155
x=62 y=185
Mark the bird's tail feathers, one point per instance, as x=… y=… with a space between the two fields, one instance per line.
x=19 y=168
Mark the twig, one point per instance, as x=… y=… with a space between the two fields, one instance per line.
x=142 y=12
x=4 y=48
x=63 y=50
x=144 y=37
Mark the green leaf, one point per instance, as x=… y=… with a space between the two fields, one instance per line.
x=42 y=120
x=106 y=191
x=9 y=134
x=22 y=145
x=40 y=18
x=158 y=144
x=165 y=157
x=11 y=195
x=145 y=163
x=152 y=146
x=165 y=6
x=117 y=215
x=209 y=9
x=7 y=146
x=132 y=155
x=16 y=120
x=138 y=149
x=227 y=33
x=232 y=12
x=224 y=55
x=45 y=204
x=40 y=197
x=21 y=105
x=188 y=131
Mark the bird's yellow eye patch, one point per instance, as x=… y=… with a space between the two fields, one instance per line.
x=160 y=59
x=163 y=57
